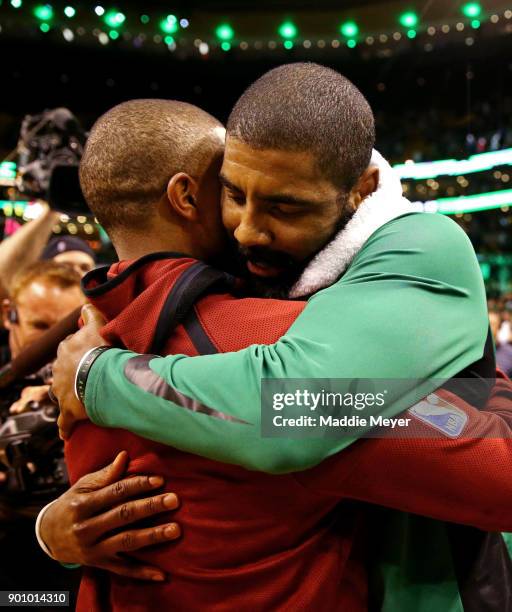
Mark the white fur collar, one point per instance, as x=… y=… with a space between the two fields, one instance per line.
x=385 y=204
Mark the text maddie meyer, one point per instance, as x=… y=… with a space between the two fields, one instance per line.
x=344 y=421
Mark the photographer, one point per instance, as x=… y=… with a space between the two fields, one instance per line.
x=41 y=295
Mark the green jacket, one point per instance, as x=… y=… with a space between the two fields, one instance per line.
x=410 y=306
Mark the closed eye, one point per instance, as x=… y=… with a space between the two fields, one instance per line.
x=287 y=211
x=237 y=198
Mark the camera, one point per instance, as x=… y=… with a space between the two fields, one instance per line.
x=32 y=455
x=50 y=147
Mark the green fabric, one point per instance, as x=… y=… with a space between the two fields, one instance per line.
x=411 y=306
x=508 y=541
x=411 y=564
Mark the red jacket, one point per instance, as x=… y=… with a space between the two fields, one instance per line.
x=261 y=542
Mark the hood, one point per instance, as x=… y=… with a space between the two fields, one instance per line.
x=383 y=205
x=131 y=295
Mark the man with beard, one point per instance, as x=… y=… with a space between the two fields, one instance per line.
x=286 y=202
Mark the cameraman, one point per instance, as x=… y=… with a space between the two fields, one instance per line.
x=41 y=295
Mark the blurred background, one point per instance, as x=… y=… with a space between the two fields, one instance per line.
x=438 y=75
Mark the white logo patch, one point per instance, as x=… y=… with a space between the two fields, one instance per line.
x=441 y=415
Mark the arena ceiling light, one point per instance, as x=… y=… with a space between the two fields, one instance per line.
x=224 y=32
x=408 y=19
x=454 y=167
x=467 y=204
x=288 y=30
x=114 y=19
x=471 y=10
x=349 y=29
x=43 y=12
x=169 y=25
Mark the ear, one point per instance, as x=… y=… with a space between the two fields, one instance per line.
x=6 y=310
x=369 y=181
x=182 y=193
x=365 y=186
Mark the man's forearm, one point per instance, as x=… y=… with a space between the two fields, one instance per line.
x=25 y=246
x=221 y=436
x=398 y=313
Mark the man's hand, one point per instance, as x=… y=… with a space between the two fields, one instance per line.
x=71 y=350
x=78 y=527
x=29 y=394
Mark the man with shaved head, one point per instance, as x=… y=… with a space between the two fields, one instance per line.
x=296 y=194
x=126 y=184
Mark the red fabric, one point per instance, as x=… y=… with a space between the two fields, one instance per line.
x=250 y=540
x=464 y=480
x=260 y=542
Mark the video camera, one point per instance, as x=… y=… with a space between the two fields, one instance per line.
x=50 y=147
x=31 y=452
x=32 y=455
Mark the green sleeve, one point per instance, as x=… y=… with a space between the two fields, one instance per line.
x=411 y=306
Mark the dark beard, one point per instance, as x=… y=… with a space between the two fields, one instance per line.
x=279 y=287
x=275 y=288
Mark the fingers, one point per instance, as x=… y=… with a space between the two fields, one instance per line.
x=115 y=494
x=18 y=407
x=129 y=541
x=90 y=314
x=128 y=513
x=132 y=570
x=28 y=395
x=106 y=476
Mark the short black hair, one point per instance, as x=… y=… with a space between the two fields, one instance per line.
x=135 y=148
x=308 y=107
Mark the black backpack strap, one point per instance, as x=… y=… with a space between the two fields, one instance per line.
x=197 y=280
x=198 y=335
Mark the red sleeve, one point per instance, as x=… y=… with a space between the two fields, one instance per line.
x=465 y=480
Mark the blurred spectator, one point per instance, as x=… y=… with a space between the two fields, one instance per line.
x=41 y=296
x=502 y=341
x=71 y=250
x=426 y=134
x=504 y=335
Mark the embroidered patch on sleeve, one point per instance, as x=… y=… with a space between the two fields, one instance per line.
x=441 y=415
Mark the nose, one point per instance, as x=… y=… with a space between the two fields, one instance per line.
x=252 y=232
